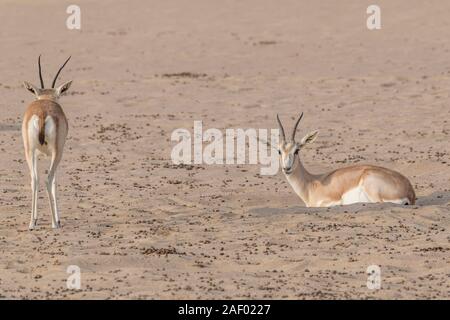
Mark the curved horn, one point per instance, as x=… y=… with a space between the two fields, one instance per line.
x=40 y=72
x=296 y=125
x=281 y=128
x=56 y=77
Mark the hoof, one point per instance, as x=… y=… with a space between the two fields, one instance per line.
x=56 y=225
x=32 y=225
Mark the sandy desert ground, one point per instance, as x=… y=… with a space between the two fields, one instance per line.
x=139 y=226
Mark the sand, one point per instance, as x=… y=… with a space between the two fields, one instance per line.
x=139 y=226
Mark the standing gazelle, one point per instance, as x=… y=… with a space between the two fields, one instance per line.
x=358 y=183
x=44 y=131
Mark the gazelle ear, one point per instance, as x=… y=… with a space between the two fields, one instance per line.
x=34 y=90
x=309 y=138
x=63 y=88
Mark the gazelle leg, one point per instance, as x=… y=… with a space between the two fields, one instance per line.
x=51 y=191
x=58 y=222
x=32 y=161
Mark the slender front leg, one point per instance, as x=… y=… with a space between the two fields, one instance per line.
x=34 y=189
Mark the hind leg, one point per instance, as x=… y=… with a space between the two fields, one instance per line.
x=32 y=163
x=51 y=191
x=378 y=190
x=403 y=202
x=371 y=189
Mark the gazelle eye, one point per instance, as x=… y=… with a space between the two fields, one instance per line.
x=296 y=151
x=279 y=152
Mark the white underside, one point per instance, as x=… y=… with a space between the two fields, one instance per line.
x=358 y=195
x=355 y=195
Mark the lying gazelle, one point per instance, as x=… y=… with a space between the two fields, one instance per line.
x=44 y=131
x=353 y=184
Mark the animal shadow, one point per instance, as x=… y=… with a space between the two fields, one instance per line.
x=438 y=198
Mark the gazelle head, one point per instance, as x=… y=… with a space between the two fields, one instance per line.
x=289 y=149
x=48 y=94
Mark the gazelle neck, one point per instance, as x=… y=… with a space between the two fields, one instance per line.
x=300 y=180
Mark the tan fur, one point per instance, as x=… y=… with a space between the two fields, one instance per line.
x=358 y=183
x=380 y=184
x=44 y=109
x=44 y=131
